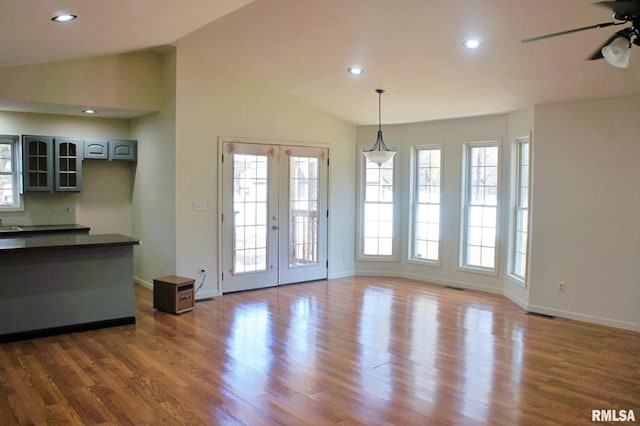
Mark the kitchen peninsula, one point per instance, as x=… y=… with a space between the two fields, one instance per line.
x=52 y=283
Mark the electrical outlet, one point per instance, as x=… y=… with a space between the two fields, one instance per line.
x=64 y=210
x=561 y=287
x=199 y=206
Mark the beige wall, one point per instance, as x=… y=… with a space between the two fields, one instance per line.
x=154 y=192
x=210 y=103
x=585 y=207
x=127 y=82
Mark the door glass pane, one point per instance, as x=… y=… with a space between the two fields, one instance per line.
x=250 y=212
x=303 y=210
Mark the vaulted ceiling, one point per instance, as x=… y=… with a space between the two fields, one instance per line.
x=411 y=48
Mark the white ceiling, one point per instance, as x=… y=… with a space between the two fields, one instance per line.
x=411 y=48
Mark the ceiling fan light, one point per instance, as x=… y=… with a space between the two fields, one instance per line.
x=617 y=52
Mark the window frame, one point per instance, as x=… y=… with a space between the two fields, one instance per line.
x=465 y=207
x=362 y=169
x=515 y=204
x=414 y=203
x=16 y=172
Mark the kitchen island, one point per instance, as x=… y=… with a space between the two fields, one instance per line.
x=60 y=283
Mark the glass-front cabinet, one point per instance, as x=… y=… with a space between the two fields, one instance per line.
x=52 y=164
x=38 y=164
x=68 y=164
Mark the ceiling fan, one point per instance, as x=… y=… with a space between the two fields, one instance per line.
x=616 y=50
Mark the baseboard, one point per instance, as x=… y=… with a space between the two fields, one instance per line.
x=74 y=328
x=203 y=295
x=143 y=283
x=453 y=283
x=343 y=274
x=515 y=299
x=584 y=318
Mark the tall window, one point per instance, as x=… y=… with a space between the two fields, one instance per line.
x=377 y=232
x=9 y=176
x=481 y=206
x=521 y=213
x=426 y=204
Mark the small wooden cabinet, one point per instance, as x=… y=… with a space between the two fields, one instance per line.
x=173 y=294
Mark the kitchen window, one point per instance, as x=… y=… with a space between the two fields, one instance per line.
x=9 y=173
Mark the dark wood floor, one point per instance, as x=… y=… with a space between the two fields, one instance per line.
x=349 y=351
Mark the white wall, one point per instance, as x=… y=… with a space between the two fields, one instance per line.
x=520 y=125
x=452 y=135
x=210 y=103
x=154 y=192
x=586 y=228
x=104 y=204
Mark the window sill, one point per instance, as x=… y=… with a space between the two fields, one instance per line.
x=478 y=270
x=425 y=262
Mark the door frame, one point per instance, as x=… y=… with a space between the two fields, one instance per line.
x=220 y=188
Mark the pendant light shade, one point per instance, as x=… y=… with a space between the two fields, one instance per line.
x=379 y=153
x=617 y=52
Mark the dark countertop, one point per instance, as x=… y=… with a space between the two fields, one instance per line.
x=44 y=229
x=57 y=241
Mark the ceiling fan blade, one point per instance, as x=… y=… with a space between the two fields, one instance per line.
x=575 y=30
x=598 y=53
x=621 y=7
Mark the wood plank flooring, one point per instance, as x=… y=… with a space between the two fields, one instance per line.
x=349 y=351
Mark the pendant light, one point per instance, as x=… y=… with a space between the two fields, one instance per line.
x=379 y=153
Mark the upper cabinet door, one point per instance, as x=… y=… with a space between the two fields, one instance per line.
x=68 y=164
x=123 y=150
x=38 y=163
x=97 y=149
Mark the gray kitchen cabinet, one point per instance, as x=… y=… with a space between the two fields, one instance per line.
x=38 y=163
x=96 y=149
x=68 y=164
x=123 y=150
x=112 y=150
x=52 y=164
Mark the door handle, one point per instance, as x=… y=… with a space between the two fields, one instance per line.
x=274 y=227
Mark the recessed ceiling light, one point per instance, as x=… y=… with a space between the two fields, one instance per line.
x=89 y=111
x=355 y=71
x=64 y=17
x=472 y=43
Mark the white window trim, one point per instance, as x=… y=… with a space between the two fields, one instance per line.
x=412 y=206
x=515 y=161
x=463 y=212
x=17 y=173
x=394 y=257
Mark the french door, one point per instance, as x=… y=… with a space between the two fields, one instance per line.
x=274 y=215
